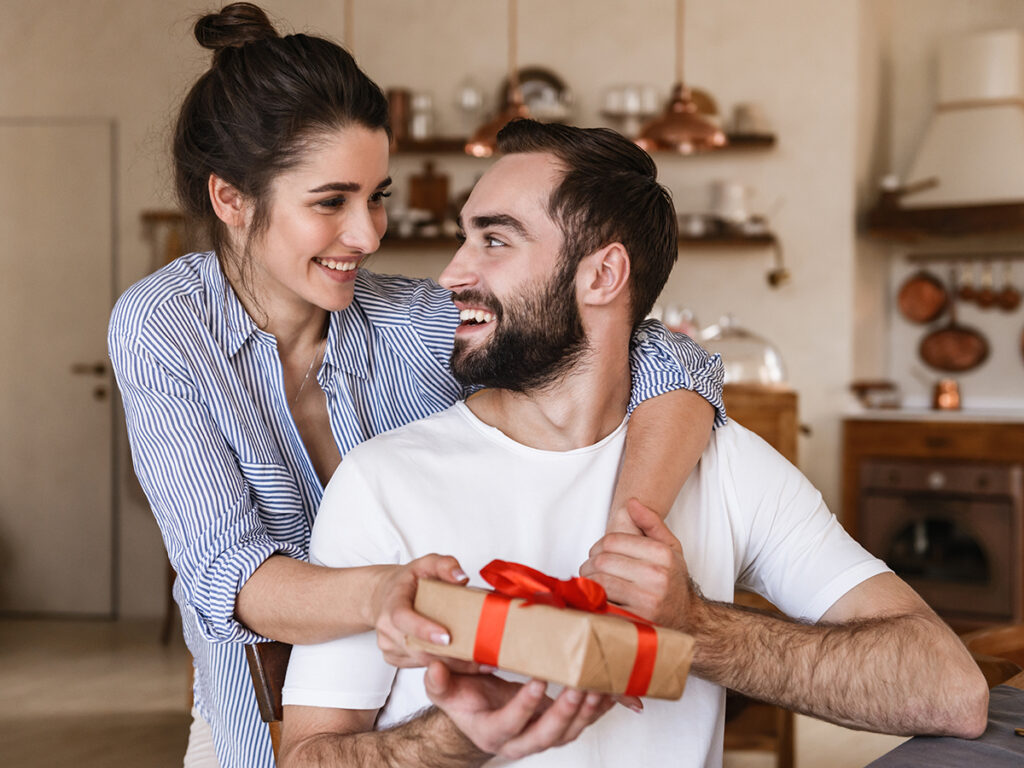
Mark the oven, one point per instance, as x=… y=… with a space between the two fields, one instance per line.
x=950 y=529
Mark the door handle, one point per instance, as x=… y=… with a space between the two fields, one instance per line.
x=89 y=369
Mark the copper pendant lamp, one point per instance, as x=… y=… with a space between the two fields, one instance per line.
x=681 y=128
x=484 y=141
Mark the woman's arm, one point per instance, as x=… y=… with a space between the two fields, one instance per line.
x=664 y=441
x=240 y=582
x=675 y=403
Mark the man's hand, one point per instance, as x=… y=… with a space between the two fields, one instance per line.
x=394 y=617
x=510 y=719
x=646 y=574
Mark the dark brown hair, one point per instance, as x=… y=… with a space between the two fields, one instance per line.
x=260 y=106
x=609 y=193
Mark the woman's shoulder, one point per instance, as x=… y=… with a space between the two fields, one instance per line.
x=185 y=281
x=395 y=299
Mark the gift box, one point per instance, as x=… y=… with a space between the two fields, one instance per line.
x=561 y=631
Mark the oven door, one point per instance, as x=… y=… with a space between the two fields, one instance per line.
x=956 y=552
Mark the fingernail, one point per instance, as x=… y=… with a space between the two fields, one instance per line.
x=638 y=708
x=441 y=638
x=574 y=696
x=486 y=669
x=459 y=574
x=537 y=687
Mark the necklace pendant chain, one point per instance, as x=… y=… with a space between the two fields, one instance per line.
x=316 y=353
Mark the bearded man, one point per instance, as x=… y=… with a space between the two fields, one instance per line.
x=568 y=242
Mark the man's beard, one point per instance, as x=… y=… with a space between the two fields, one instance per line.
x=539 y=336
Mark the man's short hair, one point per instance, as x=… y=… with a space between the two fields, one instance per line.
x=609 y=193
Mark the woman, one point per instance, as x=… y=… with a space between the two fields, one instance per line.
x=248 y=372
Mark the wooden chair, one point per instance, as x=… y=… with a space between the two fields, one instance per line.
x=267 y=665
x=998 y=651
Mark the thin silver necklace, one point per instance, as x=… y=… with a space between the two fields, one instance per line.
x=316 y=354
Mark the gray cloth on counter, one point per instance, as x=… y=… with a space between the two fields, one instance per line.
x=997 y=747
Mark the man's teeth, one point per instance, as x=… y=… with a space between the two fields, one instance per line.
x=475 y=315
x=341 y=266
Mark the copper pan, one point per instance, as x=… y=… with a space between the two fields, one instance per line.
x=954 y=347
x=922 y=297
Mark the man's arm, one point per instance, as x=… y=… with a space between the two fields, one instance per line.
x=879 y=660
x=475 y=717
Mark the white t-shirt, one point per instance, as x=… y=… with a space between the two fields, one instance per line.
x=454 y=485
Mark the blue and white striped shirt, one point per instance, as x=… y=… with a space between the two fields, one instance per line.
x=222 y=463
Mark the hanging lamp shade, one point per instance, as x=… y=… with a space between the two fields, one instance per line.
x=681 y=127
x=484 y=140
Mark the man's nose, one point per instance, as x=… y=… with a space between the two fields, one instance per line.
x=361 y=231
x=458 y=275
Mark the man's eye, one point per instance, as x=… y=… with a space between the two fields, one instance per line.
x=490 y=241
x=460 y=235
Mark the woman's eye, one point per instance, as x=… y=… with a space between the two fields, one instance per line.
x=379 y=197
x=460 y=236
x=332 y=202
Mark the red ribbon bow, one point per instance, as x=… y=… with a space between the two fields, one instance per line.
x=513 y=580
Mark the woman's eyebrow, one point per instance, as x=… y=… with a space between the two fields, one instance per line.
x=346 y=186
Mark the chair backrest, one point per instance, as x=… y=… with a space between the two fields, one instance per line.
x=999 y=651
x=267 y=665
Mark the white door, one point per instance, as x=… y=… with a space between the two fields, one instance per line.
x=56 y=246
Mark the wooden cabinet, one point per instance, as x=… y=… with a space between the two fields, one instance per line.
x=769 y=412
x=941 y=439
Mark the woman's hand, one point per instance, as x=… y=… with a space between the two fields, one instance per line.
x=395 y=617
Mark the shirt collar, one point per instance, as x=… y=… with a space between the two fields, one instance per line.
x=232 y=325
x=348 y=340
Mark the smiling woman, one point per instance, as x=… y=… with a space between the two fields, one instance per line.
x=248 y=372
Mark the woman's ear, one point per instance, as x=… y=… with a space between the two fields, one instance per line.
x=605 y=275
x=228 y=203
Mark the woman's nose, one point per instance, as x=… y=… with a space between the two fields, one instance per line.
x=363 y=230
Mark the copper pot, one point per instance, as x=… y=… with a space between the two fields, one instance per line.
x=922 y=297
x=954 y=347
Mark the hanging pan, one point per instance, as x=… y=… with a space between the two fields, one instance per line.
x=953 y=347
x=922 y=297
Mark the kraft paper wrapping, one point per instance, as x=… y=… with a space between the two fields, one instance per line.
x=589 y=651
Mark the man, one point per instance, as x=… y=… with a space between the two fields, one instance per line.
x=569 y=240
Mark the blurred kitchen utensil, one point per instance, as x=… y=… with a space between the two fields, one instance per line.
x=922 y=297
x=877 y=393
x=954 y=347
x=946 y=395
x=986 y=295
x=966 y=291
x=1009 y=297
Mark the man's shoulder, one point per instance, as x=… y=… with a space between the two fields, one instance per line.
x=439 y=432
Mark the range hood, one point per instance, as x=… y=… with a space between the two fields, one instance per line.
x=968 y=174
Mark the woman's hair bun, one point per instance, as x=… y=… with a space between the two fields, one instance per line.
x=234 y=26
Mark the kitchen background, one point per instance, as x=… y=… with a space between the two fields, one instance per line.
x=846 y=87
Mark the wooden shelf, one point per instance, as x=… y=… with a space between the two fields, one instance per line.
x=448 y=145
x=714 y=241
x=893 y=222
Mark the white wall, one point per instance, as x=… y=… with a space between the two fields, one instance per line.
x=799 y=59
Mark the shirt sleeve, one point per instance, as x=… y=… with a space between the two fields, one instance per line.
x=661 y=361
x=211 y=528
x=796 y=554
x=351 y=529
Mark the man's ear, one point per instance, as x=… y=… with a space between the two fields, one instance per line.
x=604 y=275
x=228 y=203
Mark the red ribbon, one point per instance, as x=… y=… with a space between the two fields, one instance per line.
x=513 y=580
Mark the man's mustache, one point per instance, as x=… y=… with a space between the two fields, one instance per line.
x=479 y=299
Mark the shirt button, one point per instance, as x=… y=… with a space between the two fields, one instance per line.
x=641 y=336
